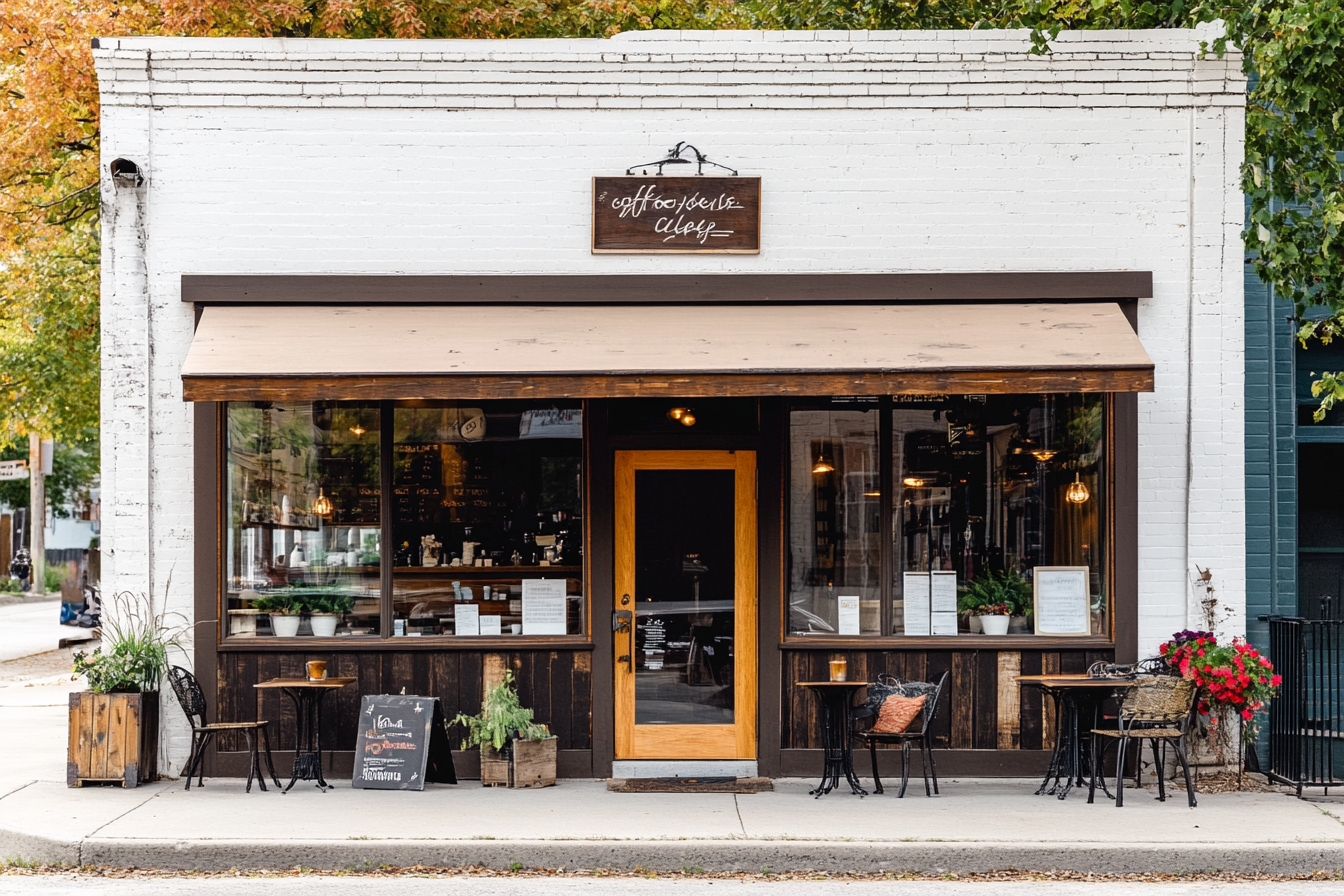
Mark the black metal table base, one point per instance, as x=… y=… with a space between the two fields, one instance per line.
x=1070 y=762
x=837 y=742
x=308 y=743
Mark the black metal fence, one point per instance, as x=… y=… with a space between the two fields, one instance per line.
x=1306 y=732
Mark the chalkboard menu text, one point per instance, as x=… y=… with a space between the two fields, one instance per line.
x=402 y=743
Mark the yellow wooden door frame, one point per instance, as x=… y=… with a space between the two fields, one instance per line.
x=736 y=741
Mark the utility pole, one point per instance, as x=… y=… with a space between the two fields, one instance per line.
x=37 y=513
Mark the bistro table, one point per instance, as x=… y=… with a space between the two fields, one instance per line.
x=836 y=700
x=1077 y=700
x=307 y=695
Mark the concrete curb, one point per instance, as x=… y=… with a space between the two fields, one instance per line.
x=680 y=855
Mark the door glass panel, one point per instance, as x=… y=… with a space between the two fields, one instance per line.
x=684 y=591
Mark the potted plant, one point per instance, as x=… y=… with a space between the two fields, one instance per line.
x=285 y=609
x=995 y=597
x=326 y=610
x=515 y=751
x=114 y=725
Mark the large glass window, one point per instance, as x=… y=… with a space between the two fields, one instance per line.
x=484 y=532
x=988 y=494
x=303 y=525
x=488 y=519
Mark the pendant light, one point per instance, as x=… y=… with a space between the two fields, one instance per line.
x=322 y=506
x=1077 y=493
x=823 y=465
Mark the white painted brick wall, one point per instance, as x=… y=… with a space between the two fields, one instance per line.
x=883 y=151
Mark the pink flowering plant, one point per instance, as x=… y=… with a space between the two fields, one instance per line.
x=1230 y=676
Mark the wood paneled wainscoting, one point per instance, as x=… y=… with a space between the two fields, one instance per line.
x=987 y=724
x=556 y=684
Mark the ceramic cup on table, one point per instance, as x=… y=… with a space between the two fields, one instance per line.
x=317 y=670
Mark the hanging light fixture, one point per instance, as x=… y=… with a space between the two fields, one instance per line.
x=1077 y=493
x=1043 y=454
x=684 y=416
x=823 y=465
x=322 y=506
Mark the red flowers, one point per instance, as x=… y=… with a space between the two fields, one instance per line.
x=1234 y=676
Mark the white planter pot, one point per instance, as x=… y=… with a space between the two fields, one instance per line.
x=324 y=624
x=994 y=625
x=285 y=626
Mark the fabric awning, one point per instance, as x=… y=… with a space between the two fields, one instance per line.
x=352 y=352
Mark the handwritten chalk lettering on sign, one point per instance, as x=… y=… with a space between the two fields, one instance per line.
x=635 y=215
x=402 y=743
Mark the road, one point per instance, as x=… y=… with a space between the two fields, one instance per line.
x=72 y=885
x=31 y=628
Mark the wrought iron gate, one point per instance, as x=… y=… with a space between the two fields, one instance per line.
x=1306 y=732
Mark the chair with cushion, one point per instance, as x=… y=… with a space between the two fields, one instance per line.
x=1158 y=709
x=192 y=700
x=894 y=706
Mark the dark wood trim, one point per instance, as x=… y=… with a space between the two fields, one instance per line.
x=771 y=494
x=207 y=493
x=1124 y=501
x=636 y=289
x=386 y=514
x=599 y=482
x=376 y=644
x=898 y=643
x=980 y=763
x=886 y=478
x=747 y=385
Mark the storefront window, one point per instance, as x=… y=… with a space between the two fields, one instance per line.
x=487 y=526
x=303 y=525
x=835 y=540
x=991 y=495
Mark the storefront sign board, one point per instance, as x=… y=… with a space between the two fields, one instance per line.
x=402 y=743
x=13 y=469
x=638 y=215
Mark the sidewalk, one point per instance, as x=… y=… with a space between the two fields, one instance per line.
x=975 y=825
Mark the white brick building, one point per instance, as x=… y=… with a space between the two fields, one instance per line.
x=880 y=154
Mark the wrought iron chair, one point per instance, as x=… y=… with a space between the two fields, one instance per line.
x=934 y=690
x=192 y=700
x=1158 y=709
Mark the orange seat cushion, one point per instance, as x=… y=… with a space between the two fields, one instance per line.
x=897 y=713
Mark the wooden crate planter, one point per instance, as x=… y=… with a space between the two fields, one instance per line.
x=113 y=737
x=531 y=764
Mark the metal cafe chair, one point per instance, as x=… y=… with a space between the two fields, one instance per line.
x=1158 y=709
x=928 y=713
x=192 y=700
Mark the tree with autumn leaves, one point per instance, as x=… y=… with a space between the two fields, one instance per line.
x=49 y=175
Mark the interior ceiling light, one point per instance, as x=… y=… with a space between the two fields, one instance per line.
x=1043 y=454
x=358 y=430
x=823 y=465
x=322 y=506
x=913 y=482
x=1077 y=493
x=684 y=416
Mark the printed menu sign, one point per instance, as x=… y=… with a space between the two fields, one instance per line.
x=942 y=603
x=402 y=743
x=1062 y=605
x=915 y=587
x=848 y=610
x=544 y=607
x=677 y=214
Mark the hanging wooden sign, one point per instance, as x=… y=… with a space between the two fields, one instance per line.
x=639 y=215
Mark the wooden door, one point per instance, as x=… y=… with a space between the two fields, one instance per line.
x=685 y=620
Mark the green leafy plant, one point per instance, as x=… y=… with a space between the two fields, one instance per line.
x=136 y=645
x=329 y=602
x=995 y=594
x=53 y=576
x=279 y=603
x=502 y=718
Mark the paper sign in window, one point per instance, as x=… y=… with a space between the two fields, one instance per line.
x=915 y=585
x=848 y=607
x=1062 y=600
x=544 y=607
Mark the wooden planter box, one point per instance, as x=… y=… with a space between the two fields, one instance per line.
x=532 y=764
x=113 y=737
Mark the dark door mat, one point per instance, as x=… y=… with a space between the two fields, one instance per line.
x=689 y=785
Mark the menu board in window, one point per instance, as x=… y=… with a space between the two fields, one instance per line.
x=1062 y=602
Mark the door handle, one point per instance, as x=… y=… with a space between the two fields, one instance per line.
x=622 y=622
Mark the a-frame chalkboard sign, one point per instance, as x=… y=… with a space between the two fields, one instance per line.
x=402 y=743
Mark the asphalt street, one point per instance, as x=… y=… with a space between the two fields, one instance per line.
x=62 y=884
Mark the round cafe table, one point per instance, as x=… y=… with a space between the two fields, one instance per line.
x=307 y=696
x=836 y=699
